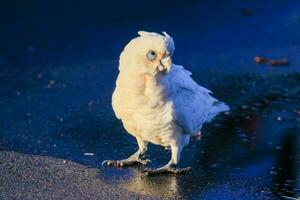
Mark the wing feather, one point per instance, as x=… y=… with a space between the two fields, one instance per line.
x=193 y=104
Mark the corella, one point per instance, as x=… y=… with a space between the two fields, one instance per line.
x=158 y=101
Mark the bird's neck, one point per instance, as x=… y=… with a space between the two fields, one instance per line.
x=141 y=83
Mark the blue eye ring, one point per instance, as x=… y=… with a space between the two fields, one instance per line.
x=151 y=55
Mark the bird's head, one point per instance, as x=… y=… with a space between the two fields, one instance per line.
x=150 y=54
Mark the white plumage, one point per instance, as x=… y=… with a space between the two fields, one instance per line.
x=158 y=101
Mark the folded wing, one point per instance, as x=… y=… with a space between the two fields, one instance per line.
x=193 y=104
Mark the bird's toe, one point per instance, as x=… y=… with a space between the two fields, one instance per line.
x=146 y=172
x=145 y=161
x=105 y=162
x=114 y=163
x=185 y=170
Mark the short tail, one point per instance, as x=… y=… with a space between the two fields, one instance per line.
x=216 y=108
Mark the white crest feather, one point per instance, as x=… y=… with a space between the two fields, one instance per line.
x=145 y=33
x=170 y=41
x=166 y=34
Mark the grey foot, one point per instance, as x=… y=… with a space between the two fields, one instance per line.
x=126 y=162
x=166 y=170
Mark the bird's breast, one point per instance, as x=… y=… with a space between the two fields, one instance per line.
x=147 y=114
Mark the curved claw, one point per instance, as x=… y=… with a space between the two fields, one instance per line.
x=115 y=163
x=105 y=162
x=185 y=170
x=144 y=162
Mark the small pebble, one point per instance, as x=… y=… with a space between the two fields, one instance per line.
x=227 y=113
x=88 y=154
x=51 y=83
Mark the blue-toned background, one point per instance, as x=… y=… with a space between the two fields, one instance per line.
x=58 y=65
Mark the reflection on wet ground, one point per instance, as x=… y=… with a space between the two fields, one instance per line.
x=250 y=152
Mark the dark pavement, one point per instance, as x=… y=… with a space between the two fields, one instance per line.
x=58 y=65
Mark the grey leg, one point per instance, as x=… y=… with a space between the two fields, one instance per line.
x=171 y=166
x=135 y=158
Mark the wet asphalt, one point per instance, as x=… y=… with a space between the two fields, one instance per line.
x=58 y=73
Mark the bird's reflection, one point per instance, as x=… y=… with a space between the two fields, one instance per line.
x=247 y=154
x=163 y=186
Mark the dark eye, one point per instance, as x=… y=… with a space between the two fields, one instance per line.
x=151 y=55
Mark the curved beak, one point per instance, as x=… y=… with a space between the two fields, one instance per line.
x=165 y=64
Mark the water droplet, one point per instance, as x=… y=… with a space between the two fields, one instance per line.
x=51 y=83
x=213 y=165
x=227 y=113
x=273 y=172
x=270 y=143
x=88 y=154
x=278 y=147
x=244 y=106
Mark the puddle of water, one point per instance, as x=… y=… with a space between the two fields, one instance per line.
x=250 y=153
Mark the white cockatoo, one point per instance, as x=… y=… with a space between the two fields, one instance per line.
x=158 y=101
